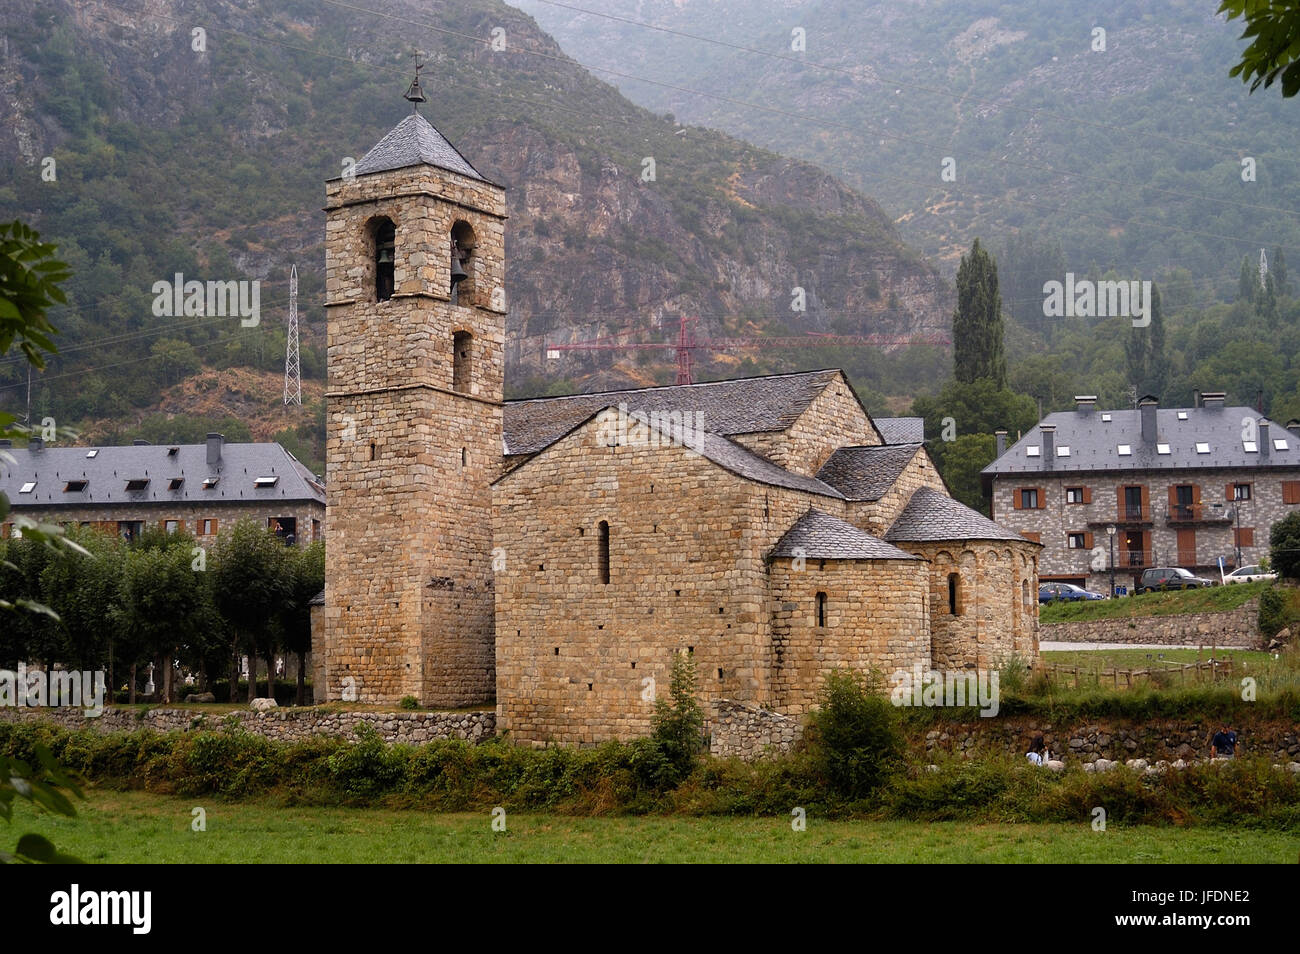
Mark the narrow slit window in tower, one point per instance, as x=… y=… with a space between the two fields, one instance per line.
x=462 y=356
x=604 y=552
x=385 y=250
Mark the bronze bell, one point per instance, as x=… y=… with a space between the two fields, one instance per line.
x=458 y=273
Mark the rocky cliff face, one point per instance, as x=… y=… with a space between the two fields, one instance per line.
x=223 y=152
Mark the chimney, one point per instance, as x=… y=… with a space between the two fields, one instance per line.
x=1265 y=445
x=1196 y=397
x=35 y=443
x=1001 y=438
x=1293 y=426
x=1049 y=444
x=1147 y=409
x=1085 y=402
x=214 y=449
x=1213 y=399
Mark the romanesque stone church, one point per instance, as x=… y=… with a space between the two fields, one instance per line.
x=554 y=554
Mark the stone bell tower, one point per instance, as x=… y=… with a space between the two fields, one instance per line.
x=415 y=279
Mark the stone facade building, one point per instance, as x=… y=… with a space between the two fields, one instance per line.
x=1181 y=486
x=555 y=554
x=196 y=488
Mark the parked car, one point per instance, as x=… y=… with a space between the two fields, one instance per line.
x=1249 y=574
x=1048 y=592
x=1170 y=578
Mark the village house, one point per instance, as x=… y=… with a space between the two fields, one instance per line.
x=1180 y=486
x=195 y=488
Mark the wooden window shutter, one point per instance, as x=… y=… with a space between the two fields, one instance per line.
x=1042 y=497
x=1087 y=541
x=1230 y=492
x=1146 y=502
x=1291 y=491
x=1119 y=503
x=1087 y=495
x=1016 y=500
x=1245 y=536
x=1196 y=496
x=1173 y=496
x=1031 y=535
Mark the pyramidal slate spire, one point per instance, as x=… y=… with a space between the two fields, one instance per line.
x=414 y=142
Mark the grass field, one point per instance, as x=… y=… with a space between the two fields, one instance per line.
x=1211 y=599
x=138 y=827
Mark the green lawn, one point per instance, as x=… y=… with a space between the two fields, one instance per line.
x=139 y=827
x=1211 y=599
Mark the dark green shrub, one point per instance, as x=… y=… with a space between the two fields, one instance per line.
x=370 y=767
x=1272 y=612
x=855 y=735
x=1284 y=546
x=677 y=728
x=409 y=702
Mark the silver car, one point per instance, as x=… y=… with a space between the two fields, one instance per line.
x=1249 y=574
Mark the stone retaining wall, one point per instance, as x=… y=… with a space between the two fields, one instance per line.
x=749 y=732
x=1237 y=628
x=285 y=725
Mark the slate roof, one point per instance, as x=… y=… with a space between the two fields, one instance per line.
x=317 y=600
x=1094 y=443
x=932 y=517
x=414 y=142
x=901 y=430
x=819 y=536
x=742 y=406
x=107 y=472
x=866 y=473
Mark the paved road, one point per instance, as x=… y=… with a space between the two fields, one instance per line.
x=1053 y=646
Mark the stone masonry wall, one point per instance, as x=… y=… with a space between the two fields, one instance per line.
x=285 y=725
x=877 y=516
x=877 y=617
x=832 y=420
x=224 y=511
x=1238 y=628
x=997 y=605
x=687 y=546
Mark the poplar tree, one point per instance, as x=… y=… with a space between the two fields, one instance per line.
x=977 y=321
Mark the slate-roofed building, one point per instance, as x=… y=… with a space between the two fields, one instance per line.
x=1181 y=486
x=561 y=551
x=197 y=488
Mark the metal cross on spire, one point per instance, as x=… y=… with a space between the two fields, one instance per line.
x=413 y=92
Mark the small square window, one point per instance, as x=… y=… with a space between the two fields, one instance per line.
x=1105 y=418
x=74 y=486
x=1162 y=448
x=1279 y=443
x=1241 y=491
x=1202 y=447
x=175 y=483
x=1063 y=451
x=1125 y=450
x=265 y=481
x=210 y=482
x=1182 y=415
x=137 y=483
x=28 y=487
x=92 y=453
x=1074 y=495
x=1074 y=541
x=171 y=526
x=1032 y=450
x=1250 y=447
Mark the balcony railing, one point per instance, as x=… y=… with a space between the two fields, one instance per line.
x=1200 y=513
x=1133 y=558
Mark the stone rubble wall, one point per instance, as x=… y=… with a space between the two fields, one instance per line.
x=282 y=725
x=1237 y=629
x=750 y=732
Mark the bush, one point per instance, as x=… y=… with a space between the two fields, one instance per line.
x=1284 y=546
x=1272 y=612
x=409 y=702
x=675 y=742
x=855 y=735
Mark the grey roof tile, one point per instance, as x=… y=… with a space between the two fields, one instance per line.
x=901 y=430
x=820 y=536
x=1094 y=443
x=107 y=472
x=414 y=142
x=866 y=473
x=743 y=461
x=933 y=517
x=743 y=406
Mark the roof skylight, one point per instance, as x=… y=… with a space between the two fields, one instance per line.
x=1124 y=450
x=1202 y=447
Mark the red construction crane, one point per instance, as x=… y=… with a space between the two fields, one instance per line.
x=687 y=344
